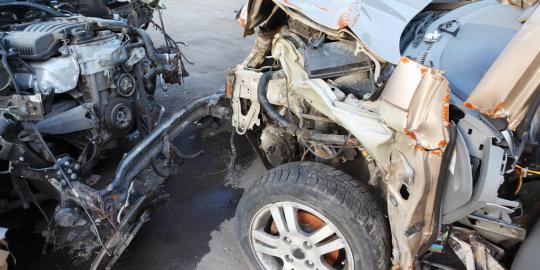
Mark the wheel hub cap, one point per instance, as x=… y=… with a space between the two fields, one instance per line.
x=289 y=235
x=298 y=254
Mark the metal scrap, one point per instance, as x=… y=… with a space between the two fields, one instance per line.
x=473 y=251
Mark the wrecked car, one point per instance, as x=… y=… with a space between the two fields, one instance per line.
x=397 y=133
x=76 y=91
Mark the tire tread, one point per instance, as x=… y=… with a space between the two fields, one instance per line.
x=343 y=189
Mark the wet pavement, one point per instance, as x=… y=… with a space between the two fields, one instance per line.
x=195 y=229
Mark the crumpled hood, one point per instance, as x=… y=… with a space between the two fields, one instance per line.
x=378 y=23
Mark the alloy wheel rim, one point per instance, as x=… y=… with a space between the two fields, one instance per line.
x=289 y=235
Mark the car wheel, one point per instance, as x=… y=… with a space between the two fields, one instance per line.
x=311 y=216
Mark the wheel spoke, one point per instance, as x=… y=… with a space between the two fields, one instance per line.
x=279 y=220
x=321 y=265
x=266 y=250
x=287 y=266
x=315 y=247
x=291 y=218
x=333 y=245
x=324 y=232
x=265 y=238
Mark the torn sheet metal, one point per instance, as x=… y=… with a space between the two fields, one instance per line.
x=362 y=120
x=244 y=86
x=473 y=251
x=415 y=103
x=406 y=133
x=379 y=24
x=509 y=86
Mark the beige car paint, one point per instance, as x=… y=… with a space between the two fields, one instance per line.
x=415 y=104
x=507 y=89
x=520 y=3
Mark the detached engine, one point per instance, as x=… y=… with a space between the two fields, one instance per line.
x=72 y=90
x=73 y=75
x=79 y=81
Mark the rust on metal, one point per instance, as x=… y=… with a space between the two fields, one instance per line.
x=410 y=134
x=289 y=4
x=446 y=111
x=424 y=70
x=443 y=144
x=348 y=18
x=468 y=105
x=405 y=60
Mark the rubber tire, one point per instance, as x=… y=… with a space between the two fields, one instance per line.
x=339 y=197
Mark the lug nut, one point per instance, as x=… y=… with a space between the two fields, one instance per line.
x=73 y=176
x=287 y=240
x=307 y=245
x=288 y=258
x=66 y=163
x=309 y=264
x=70 y=171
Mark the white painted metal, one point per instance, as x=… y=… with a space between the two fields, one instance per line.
x=378 y=23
